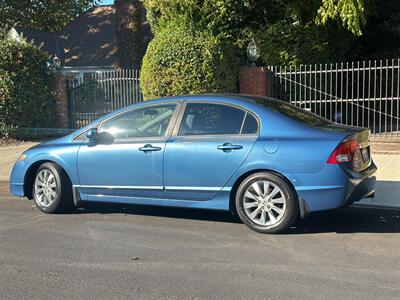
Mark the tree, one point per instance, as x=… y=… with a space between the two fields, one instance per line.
x=231 y=16
x=128 y=33
x=350 y=12
x=48 y=15
x=289 y=32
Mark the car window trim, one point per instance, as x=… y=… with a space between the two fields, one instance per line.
x=178 y=124
x=167 y=132
x=243 y=121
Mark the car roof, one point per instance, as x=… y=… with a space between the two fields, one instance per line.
x=248 y=101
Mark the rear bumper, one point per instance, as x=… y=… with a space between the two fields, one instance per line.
x=335 y=187
x=365 y=189
x=361 y=185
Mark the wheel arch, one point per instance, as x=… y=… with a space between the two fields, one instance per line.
x=239 y=180
x=29 y=176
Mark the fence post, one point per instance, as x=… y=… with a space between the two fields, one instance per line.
x=254 y=81
x=61 y=100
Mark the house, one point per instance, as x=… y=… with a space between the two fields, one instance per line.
x=90 y=39
x=48 y=41
x=88 y=42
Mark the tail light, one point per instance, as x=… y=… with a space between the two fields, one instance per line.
x=344 y=152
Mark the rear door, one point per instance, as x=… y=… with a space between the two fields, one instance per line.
x=209 y=145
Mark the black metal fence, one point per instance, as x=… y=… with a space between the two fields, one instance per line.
x=96 y=93
x=364 y=94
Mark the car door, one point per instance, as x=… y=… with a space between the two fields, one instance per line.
x=210 y=144
x=132 y=166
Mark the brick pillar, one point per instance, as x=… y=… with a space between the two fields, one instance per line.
x=61 y=100
x=254 y=81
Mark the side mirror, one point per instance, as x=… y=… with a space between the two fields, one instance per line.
x=104 y=138
x=96 y=138
x=91 y=133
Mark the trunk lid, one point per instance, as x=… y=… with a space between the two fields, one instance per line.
x=362 y=156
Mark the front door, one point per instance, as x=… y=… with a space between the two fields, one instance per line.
x=132 y=166
x=212 y=142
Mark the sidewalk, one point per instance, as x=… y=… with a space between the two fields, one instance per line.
x=386 y=156
x=387 y=192
x=8 y=156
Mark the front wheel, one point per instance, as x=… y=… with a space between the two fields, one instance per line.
x=52 y=191
x=266 y=203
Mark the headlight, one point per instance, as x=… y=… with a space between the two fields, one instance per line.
x=22 y=157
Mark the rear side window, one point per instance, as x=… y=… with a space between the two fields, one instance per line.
x=211 y=119
x=250 y=125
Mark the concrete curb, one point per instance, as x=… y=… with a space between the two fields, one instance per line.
x=374 y=206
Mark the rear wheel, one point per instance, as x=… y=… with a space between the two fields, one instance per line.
x=52 y=191
x=266 y=203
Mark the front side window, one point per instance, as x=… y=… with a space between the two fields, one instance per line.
x=211 y=119
x=142 y=122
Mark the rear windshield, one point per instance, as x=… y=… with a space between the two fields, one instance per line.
x=294 y=112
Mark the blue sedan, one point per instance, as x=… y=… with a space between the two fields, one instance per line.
x=264 y=159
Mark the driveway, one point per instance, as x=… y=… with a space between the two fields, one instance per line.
x=137 y=252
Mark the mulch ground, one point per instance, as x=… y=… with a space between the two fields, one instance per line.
x=10 y=142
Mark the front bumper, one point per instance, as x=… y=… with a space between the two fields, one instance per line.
x=17 y=179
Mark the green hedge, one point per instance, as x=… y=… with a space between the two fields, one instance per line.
x=180 y=61
x=26 y=87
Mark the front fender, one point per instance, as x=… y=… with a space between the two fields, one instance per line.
x=64 y=155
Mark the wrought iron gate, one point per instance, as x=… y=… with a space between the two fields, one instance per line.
x=97 y=93
x=364 y=94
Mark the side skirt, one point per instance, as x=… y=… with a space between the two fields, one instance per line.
x=219 y=202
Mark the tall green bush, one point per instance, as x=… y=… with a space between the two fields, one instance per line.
x=26 y=87
x=181 y=61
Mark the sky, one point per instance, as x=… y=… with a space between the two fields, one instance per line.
x=106 y=2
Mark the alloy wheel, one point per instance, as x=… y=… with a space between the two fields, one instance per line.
x=264 y=203
x=45 y=188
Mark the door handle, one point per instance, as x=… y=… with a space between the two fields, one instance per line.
x=149 y=148
x=228 y=147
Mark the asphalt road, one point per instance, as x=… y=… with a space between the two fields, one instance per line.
x=156 y=253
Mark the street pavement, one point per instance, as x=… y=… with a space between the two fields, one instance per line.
x=121 y=252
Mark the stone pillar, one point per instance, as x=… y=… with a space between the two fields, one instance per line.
x=61 y=100
x=254 y=81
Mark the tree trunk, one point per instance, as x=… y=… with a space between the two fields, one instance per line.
x=128 y=28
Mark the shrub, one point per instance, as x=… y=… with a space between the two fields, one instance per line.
x=180 y=61
x=26 y=82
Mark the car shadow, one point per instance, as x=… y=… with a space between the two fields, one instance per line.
x=353 y=219
x=348 y=220
x=158 y=211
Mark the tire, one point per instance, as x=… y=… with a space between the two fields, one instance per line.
x=52 y=189
x=266 y=203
